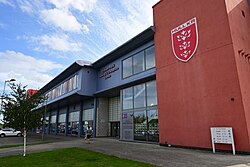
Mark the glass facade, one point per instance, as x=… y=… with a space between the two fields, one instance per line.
x=127 y=67
x=61 y=123
x=87 y=119
x=152 y=121
x=140 y=125
x=73 y=125
x=150 y=57
x=139 y=62
x=139 y=96
x=143 y=109
x=127 y=98
x=133 y=115
x=65 y=87
x=151 y=94
x=53 y=122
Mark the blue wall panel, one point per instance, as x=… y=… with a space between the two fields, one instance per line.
x=116 y=76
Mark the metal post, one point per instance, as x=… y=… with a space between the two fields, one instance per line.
x=2 y=97
x=11 y=80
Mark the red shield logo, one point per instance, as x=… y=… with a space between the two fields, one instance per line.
x=185 y=40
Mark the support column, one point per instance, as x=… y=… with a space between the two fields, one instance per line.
x=80 y=120
x=67 y=121
x=57 y=118
x=95 y=114
x=49 y=114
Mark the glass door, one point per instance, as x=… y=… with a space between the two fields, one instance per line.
x=153 y=129
x=140 y=125
x=146 y=125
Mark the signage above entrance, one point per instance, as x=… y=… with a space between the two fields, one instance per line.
x=185 y=40
x=106 y=72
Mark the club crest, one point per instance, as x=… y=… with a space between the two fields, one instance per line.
x=185 y=40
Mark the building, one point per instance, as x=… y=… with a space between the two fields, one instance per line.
x=169 y=84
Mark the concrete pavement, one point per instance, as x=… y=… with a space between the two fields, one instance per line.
x=150 y=153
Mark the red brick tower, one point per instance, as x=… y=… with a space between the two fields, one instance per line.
x=212 y=88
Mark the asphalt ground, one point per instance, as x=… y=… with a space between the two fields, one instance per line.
x=34 y=138
x=150 y=153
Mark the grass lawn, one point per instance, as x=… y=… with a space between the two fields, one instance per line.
x=66 y=158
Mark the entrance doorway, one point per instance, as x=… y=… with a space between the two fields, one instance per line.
x=146 y=125
x=115 y=129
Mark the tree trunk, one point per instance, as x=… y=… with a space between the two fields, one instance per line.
x=24 y=142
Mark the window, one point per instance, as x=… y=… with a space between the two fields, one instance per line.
x=74 y=116
x=67 y=86
x=53 y=118
x=75 y=82
x=139 y=96
x=151 y=93
x=62 y=117
x=63 y=88
x=140 y=125
x=127 y=67
x=53 y=93
x=140 y=122
x=127 y=98
x=138 y=62
x=88 y=114
x=150 y=57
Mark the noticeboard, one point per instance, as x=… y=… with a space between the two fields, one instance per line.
x=222 y=135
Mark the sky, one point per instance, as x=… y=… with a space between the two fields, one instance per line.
x=41 y=38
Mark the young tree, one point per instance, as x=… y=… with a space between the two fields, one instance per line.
x=18 y=110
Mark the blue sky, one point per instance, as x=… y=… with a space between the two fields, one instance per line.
x=39 y=39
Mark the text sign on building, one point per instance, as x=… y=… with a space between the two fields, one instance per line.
x=185 y=40
x=107 y=71
x=222 y=135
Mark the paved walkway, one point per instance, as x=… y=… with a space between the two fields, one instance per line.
x=150 y=153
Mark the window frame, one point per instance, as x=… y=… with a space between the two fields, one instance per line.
x=132 y=56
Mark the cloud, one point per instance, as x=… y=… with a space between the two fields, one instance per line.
x=56 y=42
x=84 y=29
x=64 y=20
x=118 y=26
x=26 y=6
x=2 y=25
x=26 y=69
x=30 y=7
x=7 y=2
x=80 y=5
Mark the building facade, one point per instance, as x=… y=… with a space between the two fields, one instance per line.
x=115 y=95
x=154 y=89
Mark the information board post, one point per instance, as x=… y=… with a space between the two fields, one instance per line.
x=222 y=135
